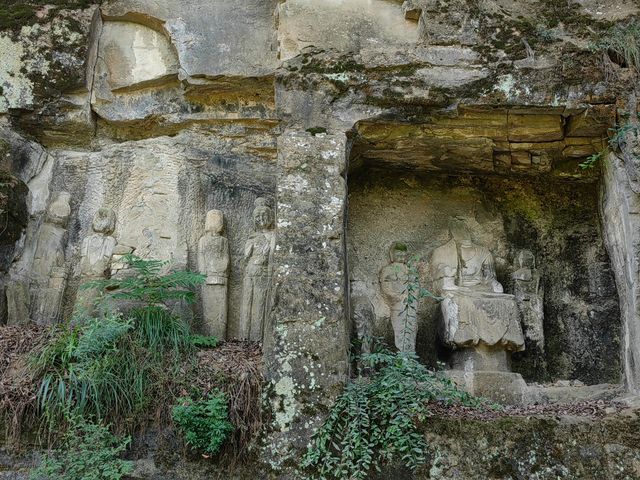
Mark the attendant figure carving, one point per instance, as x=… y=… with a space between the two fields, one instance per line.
x=96 y=254
x=257 y=276
x=395 y=279
x=213 y=261
x=362 y=315
x=49 y=269
x=530 y=297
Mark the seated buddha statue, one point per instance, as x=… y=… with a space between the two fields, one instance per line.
x=475 y=310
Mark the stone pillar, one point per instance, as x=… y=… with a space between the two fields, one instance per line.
x=307 y=334
x=620 y=214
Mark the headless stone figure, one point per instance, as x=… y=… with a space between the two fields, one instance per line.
x=394 y=284
x=475 y=309
x=213 y=261
x=480 y=322
x=257 y=277
x=96 y=254
x=49 y=269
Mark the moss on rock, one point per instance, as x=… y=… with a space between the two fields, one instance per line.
x=14 y=14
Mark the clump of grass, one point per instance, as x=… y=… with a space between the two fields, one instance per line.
x=111 y=367
x=622 y=45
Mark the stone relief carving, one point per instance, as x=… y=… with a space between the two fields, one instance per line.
x=529 y=297
x=49 y=269
x=394 y=285
x=258 y=251
x=213 y=261
x=96 y=254
x=475 y=309
x=363 y=316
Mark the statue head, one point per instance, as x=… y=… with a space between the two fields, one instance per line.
x=262 y=214
x=398 y=252
x=214 y=222
x=58 y=211
x=525 y=259
x=459 y=231
x=104 y=221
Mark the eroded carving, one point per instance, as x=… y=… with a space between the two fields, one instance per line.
x=258 y=251
x=96 y=254
x=395 y=280
x=475 y=309
x=530 y=297
x=363 y=316
x=213 y=261
x=49 y=269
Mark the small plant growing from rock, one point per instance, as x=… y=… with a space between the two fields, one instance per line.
x=204 y=423
x=375 y=420
x=88 y=452
x=622 y=44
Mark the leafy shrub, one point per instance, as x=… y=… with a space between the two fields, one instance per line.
x=204 y=341
x=88 y=452
x=204 y=423
x=374 y=420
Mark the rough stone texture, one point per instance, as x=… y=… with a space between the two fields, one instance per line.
x=621 y=223
x=342 y=25
x=307 y=345
x=220 y=38
x=533 y=447
x=163 y=110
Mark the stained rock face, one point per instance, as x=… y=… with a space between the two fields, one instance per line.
x=322 y=133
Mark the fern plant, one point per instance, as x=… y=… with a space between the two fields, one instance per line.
x=154 y=294
x=204 y=423
x=374 y=421
x=148 y=285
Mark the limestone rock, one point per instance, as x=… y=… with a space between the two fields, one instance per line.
x=220 y=38
x=352 y=25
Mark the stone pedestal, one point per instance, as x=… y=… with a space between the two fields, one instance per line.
x=486 y=372
x=506 y=388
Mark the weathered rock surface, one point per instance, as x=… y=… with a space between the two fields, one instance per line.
x=421 y=110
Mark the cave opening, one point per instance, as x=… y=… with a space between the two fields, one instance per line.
x=513 y=180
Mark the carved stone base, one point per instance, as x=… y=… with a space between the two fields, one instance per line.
x=481 y=357
x=506 y=388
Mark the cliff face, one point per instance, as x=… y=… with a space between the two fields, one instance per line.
x=362 y=122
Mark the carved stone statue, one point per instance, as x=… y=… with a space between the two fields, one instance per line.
x=475 y=309
x=394 y=285
x=362 y=316
x=96 y=254
x=530 y=297
x=257 y=277
x=213 y=261
x=480 y=322
x=49 y=269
